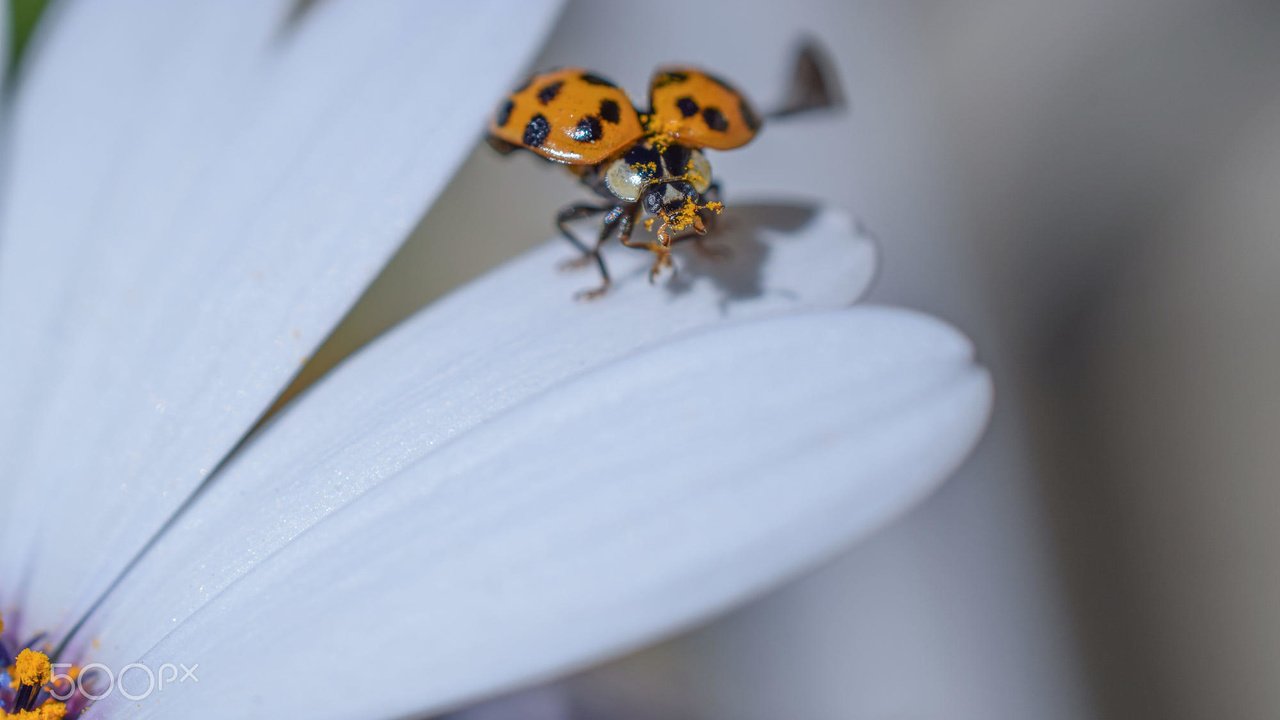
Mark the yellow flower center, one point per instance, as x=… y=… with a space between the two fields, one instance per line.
x=50 y=710
x=29 y=693
x=31 y=668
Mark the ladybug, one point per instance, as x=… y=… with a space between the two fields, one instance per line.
x=641 y=162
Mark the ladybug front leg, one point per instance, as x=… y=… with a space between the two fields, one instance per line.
x=709 y=219
x=712 y=195
x=661 y=250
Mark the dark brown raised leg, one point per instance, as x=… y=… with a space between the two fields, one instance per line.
x=661 y=250
x=577 y=211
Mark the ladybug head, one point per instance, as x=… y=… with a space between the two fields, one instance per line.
x=679 y=206
x=669 y=199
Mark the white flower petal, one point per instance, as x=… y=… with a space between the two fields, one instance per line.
x=464 y=360
x=624 y=504
x=197 y=193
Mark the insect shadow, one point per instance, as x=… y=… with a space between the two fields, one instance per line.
x=732 y=257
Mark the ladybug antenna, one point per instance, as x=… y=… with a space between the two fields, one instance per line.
x=814 y=85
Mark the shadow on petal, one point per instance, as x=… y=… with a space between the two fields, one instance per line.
x=734 y=257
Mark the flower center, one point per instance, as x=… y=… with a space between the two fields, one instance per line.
x=29 y=688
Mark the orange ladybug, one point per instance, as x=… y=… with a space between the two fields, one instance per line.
x=641 y=161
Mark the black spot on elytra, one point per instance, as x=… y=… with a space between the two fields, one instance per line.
x=669 y=78
x=587 y=130
x=593 y=79
x=715 y=119
x=676 y=159
x=548 y=92
x=610 y=111
x=748 y=115
x=687 y=106
x=535 y=133
x=504 y=113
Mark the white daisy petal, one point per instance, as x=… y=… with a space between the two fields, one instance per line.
x=197 y=192
x=624 y=504
x=464 y=360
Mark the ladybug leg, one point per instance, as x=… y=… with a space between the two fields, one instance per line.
x=616 y=217
x=709 y=219
x=711 y=195
x=661 y=250
x=569 y=213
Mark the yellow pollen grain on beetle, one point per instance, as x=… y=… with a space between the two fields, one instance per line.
x=32 y=668
x=688 y=214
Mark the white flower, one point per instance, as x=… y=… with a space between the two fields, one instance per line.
x=508 y=486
